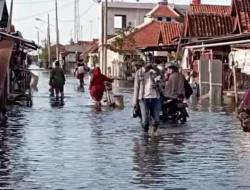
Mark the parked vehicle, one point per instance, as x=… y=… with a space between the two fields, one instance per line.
x=175 y=110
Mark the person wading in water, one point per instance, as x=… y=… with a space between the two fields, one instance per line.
x=147 y=96
x=80 y=73
x=58 y=80
x=97 y=86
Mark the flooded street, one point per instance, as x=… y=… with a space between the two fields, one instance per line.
x=75 y=147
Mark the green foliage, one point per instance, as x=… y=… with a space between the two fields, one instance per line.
x=44 y=55
x=96 y=60
x=123 y=39
x=173 y=56
x=86 y=60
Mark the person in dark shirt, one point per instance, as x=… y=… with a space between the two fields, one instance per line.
x=58 y=80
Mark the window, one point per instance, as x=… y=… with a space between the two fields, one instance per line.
x=120 y=21
x=168 y=19
x=159 y=18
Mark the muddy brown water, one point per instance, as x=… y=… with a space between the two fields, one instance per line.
x=73 y=146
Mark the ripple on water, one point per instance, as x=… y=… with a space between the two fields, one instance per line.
x=73 y=146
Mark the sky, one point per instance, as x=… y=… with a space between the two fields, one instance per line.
x=25 y=12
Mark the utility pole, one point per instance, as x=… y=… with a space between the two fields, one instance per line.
x=102 y=39
x=38 y=39
x=138 y=17
x=10 y=17
x=91 y=30
x=105 y=35
x=76 y=21
x=49 y=56
x=57 y=34
x=81 y=33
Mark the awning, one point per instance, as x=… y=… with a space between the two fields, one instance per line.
x=6 y=48
x=159 y=48
x=14 y=37
x=222 y=39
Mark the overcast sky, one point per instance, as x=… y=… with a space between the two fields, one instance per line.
x=25 y=12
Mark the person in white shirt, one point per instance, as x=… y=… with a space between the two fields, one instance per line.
x=147 y=96
x=80 y=72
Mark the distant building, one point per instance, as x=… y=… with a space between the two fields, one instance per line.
x=71 y=53
x=122 y=14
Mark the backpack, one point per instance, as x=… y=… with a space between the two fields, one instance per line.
x=188 y=89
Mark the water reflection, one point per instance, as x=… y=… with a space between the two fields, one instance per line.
x=56 y=103
x=35 y=89
x=206 y=105
x=149 y=162
x=154 y=155
x=4 y=159
x=11 y=148
x=49 y=147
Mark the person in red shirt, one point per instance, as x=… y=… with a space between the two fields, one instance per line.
x=97 y=85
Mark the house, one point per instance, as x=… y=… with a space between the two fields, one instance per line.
x=71 y=52
x=165 y=12
x=149 y=33
x=228 y=25
x=122 y=14
x=204 y=22
x=91 y=54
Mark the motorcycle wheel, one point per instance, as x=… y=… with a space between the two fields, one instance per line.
x=183 y=118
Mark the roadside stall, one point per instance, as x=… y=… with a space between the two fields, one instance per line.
x=15 y=77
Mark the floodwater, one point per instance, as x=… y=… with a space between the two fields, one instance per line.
x=73 y=146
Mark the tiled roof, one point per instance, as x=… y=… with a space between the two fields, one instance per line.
x=92 y=49
x=243 y=10
x=162 y=10
x=149 y=35
x=210 y=25
x=214 y=9
x=170 y=30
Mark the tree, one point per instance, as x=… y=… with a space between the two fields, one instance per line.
x=123 y=39
x=44 y=55
x=173 y=56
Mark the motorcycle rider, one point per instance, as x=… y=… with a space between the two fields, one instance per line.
x=175 y=85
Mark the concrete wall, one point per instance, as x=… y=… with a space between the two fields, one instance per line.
x=215 y=79
x=111 y=58
x=135 y=14
x=210 y=78
x=76 y=48
x=203 y=67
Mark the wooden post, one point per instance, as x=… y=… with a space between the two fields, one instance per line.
x=235 y=86
x=235 y=82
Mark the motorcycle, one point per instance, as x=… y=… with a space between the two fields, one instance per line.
x=174 y=109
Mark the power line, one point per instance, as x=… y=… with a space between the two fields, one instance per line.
x=85 y=12
x=41 y=13
x=32 y=2
x=77 y=21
